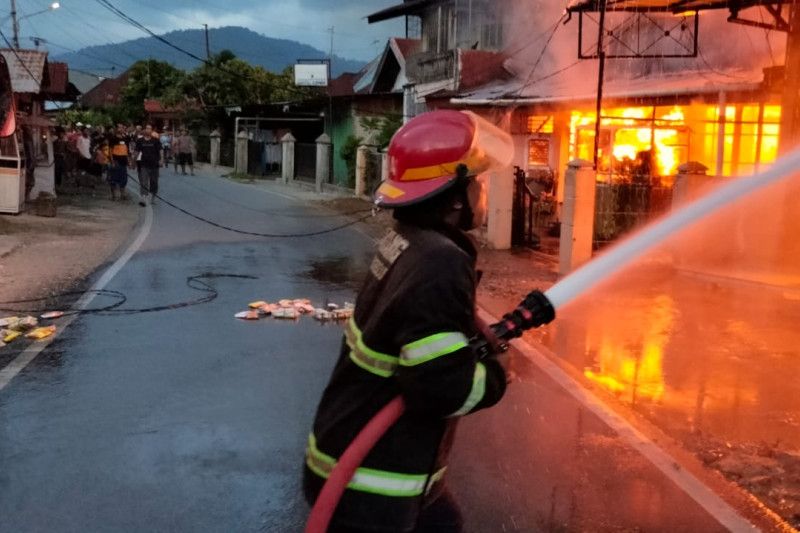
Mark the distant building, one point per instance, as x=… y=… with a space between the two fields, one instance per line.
x=108 y=93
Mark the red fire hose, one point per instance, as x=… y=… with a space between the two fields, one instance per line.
x=534 y=311
x=354 y=455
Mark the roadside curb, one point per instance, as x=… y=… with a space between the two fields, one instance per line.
x=692 y=486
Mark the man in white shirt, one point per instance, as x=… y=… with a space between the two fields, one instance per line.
x=84 y=143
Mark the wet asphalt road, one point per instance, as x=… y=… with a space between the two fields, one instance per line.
x=189 y=420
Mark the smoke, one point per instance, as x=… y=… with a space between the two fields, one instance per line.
x=539 y=47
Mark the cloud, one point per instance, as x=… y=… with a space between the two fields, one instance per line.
x=306 y=21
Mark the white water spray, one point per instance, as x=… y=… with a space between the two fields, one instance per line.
x=622 y=255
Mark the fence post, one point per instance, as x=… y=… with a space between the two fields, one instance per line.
x=362 y=156
x=384 y=164
x=577 y=219
x=287 y=170
x=690 y=183
x=241 y=152
x=501 y=206
x=214 y=148
x=323 y=160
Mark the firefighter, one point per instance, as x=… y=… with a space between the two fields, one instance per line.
x=411 y=331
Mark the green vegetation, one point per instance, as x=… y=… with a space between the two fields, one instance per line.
x=201 y=94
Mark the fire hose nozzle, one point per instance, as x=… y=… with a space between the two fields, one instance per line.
x=534 y=311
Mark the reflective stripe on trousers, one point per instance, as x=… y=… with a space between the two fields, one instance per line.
x=370 y=480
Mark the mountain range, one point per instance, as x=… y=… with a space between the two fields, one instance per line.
x=272 y=54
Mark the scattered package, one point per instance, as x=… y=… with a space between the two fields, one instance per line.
x=41 y=333
x=16 y=323
x=9 y=335
x=293 y=309
x=52 y=315
x=289 y=313
x=8 y=321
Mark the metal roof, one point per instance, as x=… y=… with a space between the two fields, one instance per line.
x=670 y=6
x=563 y=89
x=408 y=7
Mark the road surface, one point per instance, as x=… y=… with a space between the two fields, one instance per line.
x=189 y=420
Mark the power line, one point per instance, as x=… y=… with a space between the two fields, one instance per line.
x=255 y=233
x=541 y=56
x=108 y=5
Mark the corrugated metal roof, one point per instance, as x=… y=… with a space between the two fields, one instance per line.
x=567 y=90
x=26 y=68
x=408 y=7
x=670 y=6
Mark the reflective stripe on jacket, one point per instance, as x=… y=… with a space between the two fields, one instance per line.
x=409 y=335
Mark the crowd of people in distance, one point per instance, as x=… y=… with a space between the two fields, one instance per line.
x=87 y=156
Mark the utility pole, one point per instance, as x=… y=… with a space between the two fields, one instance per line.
x=790 y=115
x=15 y=23
x=330 y=55
x=601 y=54
x=330 y=76
x=208 y=46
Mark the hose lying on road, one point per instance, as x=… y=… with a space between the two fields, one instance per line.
x=256 y=233
x=113 y=309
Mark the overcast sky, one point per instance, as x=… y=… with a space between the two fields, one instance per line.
x=80 y=23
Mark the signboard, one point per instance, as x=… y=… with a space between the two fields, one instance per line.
x=311 y=74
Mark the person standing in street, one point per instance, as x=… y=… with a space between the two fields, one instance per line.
x=84 y=147
x=411 y=334
x=184 y=148
x=118 y=174
x=166 y=145
x=59 y=157
x=149 y=154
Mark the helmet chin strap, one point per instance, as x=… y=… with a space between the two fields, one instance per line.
x=466 y=215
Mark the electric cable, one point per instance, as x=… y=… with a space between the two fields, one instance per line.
x=539 y=59
x=101 y=292
x=127 y=18
x=269 y=212
x=38 y=81
x=193 y=282
x=255 y=233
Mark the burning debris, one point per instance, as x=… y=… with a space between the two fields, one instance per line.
x=294 y=309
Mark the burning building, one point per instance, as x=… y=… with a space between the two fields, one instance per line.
x=683 y=87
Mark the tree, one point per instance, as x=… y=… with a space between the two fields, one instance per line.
x=84 y=116
x=228 y=80
x=384 y=127
x=151 y=79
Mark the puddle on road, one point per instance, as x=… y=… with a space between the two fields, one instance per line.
x=344 y=272
x=701 y=336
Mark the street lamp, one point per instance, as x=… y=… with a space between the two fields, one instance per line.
x=15 y=19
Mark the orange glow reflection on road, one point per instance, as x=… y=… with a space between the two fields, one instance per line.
x=630 y=350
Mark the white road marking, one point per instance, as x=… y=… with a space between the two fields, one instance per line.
x=693 y=487
x=16 y=366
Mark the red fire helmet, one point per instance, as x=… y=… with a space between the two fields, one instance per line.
x=424 y=155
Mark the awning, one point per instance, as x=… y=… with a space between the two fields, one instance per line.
x=669 y=6
x=409 y=7
x=36 y=122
